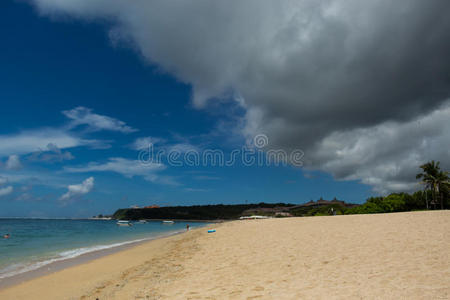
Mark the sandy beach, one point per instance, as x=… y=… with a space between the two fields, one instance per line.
x=388 y=256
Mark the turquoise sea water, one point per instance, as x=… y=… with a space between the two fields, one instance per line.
x=37 y=242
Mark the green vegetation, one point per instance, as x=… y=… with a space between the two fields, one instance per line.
x=436 y=194
x=396 y=202
x=436 y=180
x=327 y=210
x=391 y=203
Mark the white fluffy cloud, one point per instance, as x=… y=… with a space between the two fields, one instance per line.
x=6 y=191
x=128 y=168
x=13 y=163
x=46 y=143
x=143 y=143
x=52 y=154
x=95 y=122
x=386 y=156
x=33 y=140
x=77 y=190
x=319 y=75
x=160 y=144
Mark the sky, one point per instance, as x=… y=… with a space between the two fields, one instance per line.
x=92 y=90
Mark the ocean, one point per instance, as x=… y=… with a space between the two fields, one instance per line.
x=34 y=243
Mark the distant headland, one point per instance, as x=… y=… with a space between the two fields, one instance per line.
x=234 y=211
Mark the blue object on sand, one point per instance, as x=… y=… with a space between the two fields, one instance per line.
x=211 y=230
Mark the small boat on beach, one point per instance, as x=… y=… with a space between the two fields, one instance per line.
x=124 y=223
x=167 y=222
x=142 y=221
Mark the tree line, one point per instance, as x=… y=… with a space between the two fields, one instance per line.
x=436 y=194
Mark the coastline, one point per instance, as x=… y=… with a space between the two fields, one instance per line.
x=63 y=263
x=389 y=256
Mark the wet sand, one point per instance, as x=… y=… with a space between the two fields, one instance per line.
x=388 y=256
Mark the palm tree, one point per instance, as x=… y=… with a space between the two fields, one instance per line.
x=442 y=185
x=434 y=179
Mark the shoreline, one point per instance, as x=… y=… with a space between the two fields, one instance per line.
x=84 y=279
x=65 y=263
x=374 y=256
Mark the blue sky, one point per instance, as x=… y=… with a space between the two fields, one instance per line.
x=73 y=105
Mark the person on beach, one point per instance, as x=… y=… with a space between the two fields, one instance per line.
x=6 y=236
x=187 y=227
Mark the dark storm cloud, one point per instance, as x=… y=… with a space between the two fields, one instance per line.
x=358 y=69
x=336 y=78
